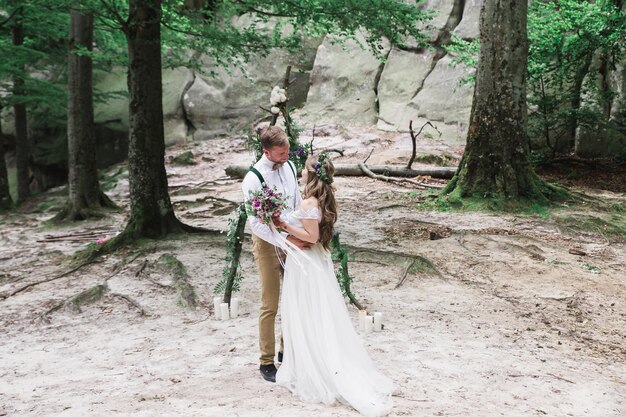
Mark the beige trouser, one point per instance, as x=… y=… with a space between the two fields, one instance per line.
x=271 y=273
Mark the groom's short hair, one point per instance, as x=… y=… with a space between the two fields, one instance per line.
x=273 y=136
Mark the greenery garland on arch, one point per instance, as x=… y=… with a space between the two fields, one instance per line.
x=231 y=276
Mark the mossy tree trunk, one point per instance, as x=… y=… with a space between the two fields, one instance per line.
x=21 y=133
x=85 y=196
x=496 y=158
x=151 y=212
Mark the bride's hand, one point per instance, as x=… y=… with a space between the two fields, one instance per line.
x=279 y=223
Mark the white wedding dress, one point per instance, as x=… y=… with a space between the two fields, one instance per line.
x=324 y=359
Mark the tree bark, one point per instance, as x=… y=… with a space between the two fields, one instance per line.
x=495 y=162
x=353 y=170
x=85 y=195
x=5 y=197
x=151 y=212
x=576 y=99
x=21 y=135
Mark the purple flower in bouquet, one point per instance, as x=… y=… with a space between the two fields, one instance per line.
x=265 y=204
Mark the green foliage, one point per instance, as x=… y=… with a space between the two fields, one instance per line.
x=44 y=30
x=42 y=59
x=464 y=52
x=618 y=208
x=340 y=254
x=232 y=258
x=609 y=225
x=591 y=268
x=539 y=206
x=566 y=39
x=539 y=158
x=109 y=181
x=445 y=159
x=233 y=32
x=185 y=158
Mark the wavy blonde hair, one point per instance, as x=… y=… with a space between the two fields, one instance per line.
x=325 y=195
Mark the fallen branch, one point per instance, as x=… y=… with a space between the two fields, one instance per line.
x=353 y=170
x=385 y=178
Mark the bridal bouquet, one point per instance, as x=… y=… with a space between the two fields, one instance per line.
x=265 y=204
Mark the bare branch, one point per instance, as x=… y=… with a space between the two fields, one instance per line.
x=116 y=14
x=368 y=156
x=414 y=139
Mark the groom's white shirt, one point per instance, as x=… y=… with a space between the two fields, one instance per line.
x=285 y=182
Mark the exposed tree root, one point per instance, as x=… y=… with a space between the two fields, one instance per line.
x=32 y=284
x=89 y=296
x=406 y=272
x=141 y=268
x=93 y=294
x=71 y=213
x=132 y=235
x=413 y=263
x=130 y=301
x=180 y=278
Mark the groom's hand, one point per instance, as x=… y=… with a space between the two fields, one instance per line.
x=299 y=243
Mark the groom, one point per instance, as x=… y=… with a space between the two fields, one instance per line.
x=274 y=170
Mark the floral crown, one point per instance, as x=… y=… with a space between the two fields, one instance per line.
x=320 y=169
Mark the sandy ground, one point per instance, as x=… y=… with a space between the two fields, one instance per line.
x=514 y=323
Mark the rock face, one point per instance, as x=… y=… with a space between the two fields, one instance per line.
x=437 y=95
x=230 y=103
x=343 y=85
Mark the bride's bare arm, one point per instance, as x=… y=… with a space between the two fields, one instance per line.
x=310 y=231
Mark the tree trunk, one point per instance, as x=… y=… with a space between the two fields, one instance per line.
x=21 y=135
x=240 y=171
x=495 y=162
x=85 y=197
x=5 y=197
x=576 y=99
x=151 y=212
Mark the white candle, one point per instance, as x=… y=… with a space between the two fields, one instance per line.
x=216 y=307
x=378 y=321
x=234 y=307
x=362 y=315
x=369 y=324
x=224 y=310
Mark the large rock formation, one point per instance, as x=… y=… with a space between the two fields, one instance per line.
x=232 y=100
x=343 y=85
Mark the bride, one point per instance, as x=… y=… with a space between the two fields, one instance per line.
x=324 y=359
